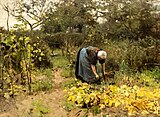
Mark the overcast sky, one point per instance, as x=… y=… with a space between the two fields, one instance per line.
x=3 y=14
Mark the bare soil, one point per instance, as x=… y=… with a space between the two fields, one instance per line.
x=21 y=105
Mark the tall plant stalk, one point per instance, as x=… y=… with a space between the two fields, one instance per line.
x=27 y=63
x=1 y=68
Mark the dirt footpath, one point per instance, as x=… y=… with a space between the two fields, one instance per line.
x=21 y=106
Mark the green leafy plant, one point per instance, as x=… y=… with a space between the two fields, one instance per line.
x=38 y=109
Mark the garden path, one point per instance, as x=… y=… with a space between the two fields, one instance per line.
x=21 y=106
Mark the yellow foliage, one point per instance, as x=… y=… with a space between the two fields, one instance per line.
x=117 y=103
x=71 y=98
x=101 y=106
x=135 y=99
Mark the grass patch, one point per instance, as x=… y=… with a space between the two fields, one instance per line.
x=38 y=109
x=44 y=72
x=63 y=63
x=42 y=80
x=69 y=106
x=42 y=85
x=69 y=83
x=60 y=61
x=66 y=72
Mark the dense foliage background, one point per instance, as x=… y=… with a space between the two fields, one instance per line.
x=129 y=30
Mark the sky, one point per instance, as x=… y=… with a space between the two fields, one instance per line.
x=3 y=14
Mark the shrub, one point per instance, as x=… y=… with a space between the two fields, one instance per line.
x=135 y=54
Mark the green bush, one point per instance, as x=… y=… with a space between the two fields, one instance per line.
x=135 y=54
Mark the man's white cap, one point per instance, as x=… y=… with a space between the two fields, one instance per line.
x=102 y=54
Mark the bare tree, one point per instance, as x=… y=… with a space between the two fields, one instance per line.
x=29 y=12
x=7 y=9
